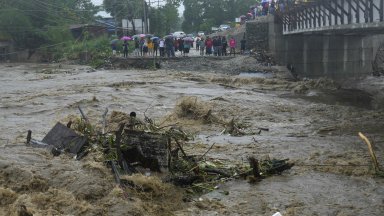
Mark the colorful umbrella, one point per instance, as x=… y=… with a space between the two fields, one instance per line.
x=142 y=35
x=114 y=41
x=126 y=38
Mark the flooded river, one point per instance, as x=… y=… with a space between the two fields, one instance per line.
x=314 y=123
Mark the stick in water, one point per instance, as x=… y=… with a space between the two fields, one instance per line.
x=371 y=151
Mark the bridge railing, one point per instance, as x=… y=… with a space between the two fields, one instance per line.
x=316 y=15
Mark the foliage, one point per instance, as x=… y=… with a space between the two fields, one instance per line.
x=201 y=15
x=32 y=23
x=17 y=26
x=163 y=20
x=124 y=9
x=97 y=49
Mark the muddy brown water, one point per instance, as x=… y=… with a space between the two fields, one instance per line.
x=346 y=97
x=332 y=175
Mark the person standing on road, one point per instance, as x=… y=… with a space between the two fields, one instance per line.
x=232 y=46
x=155 y=46
x=215 y=43
x=169 y=46
x=125 y=49
x=242 y=45
x=141 y=46
x=186 y=47
x=175 y=45
x=208 y=46
x=151 y=47
x=180 y=42
x=225 y=45
x=137 y=47
x=145 y=48
x=202 y=46
x=197 y=44
x=113 y=45
x=219 y=46
x=162 y=47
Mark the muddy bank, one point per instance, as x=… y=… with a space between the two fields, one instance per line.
x=194 y=63
x=332 y=175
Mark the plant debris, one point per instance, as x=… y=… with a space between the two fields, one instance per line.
x=132 y=147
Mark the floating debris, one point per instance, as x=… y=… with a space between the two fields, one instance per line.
x=136 y=147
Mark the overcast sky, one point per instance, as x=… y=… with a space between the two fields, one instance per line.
x=99 y=2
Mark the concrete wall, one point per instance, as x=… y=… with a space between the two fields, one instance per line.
x=5 y=49
x=334 y=56
x=318 y=55
x=257 y=35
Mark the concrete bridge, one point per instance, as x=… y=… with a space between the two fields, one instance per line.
x=332 y=38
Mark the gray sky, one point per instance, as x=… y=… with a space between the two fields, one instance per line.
x=99 y=2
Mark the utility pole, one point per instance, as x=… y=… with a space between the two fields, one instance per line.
x=115 y=16
x=145 y=18
x=149 y=5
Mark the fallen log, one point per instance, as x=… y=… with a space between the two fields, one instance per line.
x=371 y=151
x=116 y=172
x=183 y=180
x=217 y=171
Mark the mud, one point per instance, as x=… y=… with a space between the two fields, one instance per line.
x=332 y=175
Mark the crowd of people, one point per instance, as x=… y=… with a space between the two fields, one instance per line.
x=169 y=46
x=218 y=46
x=268 y=7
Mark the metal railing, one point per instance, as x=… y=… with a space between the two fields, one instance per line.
x=317 y=15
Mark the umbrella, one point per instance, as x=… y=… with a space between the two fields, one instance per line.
x=188 y=39
x=114 y=41
x=135 y=36
x=154 y=38
x=142 y=35
x=126 y=38
x=169 y=36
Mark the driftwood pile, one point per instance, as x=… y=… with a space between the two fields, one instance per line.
x=262 y=56
x=143 y=147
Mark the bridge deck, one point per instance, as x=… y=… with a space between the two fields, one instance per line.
x=349 y=16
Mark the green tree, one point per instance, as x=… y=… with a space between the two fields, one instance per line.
x=171 y=18
x=164 y=19
x=31 y=23
x=124 y=9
